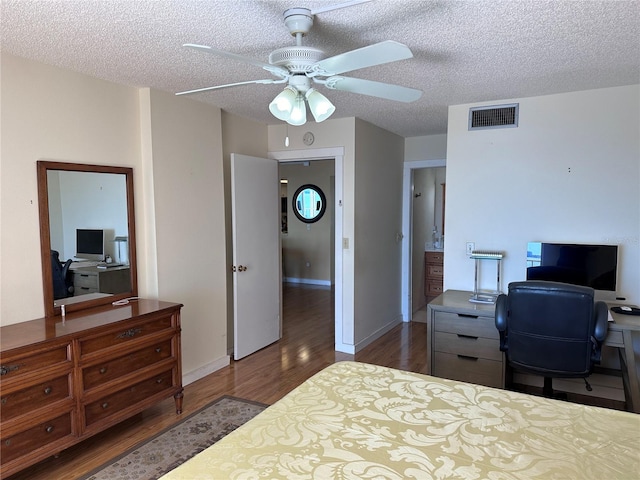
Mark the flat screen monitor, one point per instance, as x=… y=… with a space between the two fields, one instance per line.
x=594 y=266
x=90 y=244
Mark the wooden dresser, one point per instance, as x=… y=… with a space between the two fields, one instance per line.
x=433 y=274
x=61 y=382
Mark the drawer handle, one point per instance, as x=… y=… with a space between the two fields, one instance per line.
x=158 y=349
x=48 y=390
x=467 y=357
x=103 y=370
x=105 y=405
x=466 y=315
x=84 y=275
x=49 y=429
x=470 y=337
x=4 y=401
x=159 y=380
x=7 y=443
x=6 y=369
x=132 y=332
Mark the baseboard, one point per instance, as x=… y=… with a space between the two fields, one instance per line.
x=307 y=281
x=205 y=370
x=377 y=334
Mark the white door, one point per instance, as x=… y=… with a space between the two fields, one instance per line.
x=255 y=198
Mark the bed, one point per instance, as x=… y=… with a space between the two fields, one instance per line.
x=355 y=420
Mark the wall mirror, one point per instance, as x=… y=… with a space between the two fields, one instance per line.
x=87 y=235
x=309 y=203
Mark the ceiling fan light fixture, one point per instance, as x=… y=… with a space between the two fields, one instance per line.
x=320 y=106
x=284 y=103
x=298 y=114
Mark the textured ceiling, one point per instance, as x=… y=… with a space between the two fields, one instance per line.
x=464 y=51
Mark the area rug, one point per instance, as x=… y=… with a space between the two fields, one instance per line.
x=175 y=445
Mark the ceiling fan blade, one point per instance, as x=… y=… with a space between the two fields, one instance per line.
x=278 y=71
x=374 y=89
x=205 y=89
x=376 y=54
x=329 y=8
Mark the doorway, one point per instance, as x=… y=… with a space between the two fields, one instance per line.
x=336 y=154
x=420 y=201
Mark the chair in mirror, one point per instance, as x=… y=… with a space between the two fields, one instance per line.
x=87 y=235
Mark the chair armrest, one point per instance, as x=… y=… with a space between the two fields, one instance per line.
x=501 y=320
x=602 y=321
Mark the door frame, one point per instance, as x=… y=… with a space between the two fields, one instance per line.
x=407 y=228
x=336 y=154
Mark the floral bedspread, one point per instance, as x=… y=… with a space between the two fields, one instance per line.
x=360 y=421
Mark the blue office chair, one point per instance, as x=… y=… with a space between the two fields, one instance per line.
x=551 y=329
x=62 y=282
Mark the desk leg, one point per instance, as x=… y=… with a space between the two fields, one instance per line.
x=631 y=360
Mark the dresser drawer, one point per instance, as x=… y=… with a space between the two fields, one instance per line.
x=114 y=403
x=35 y=397
x=434 y=258
x=476 y=326
x=15 y=366
x=470 y=346
x=35 y=437
x=435 y=271
x=116 y=368
x=433 y=288
x=117 y=337
x=468 y=369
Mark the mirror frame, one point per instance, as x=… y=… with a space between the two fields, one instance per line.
x=43 y=167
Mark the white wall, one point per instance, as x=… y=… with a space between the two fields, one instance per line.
x=52 y=114
x=569 y=173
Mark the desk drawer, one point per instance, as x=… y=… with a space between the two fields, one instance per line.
x=466 y=345
x=468 y=369
x=475 y=326
x=86 y=280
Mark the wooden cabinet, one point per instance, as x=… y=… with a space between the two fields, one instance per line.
x=463 y=341
x=62 y=382
x=433 y=274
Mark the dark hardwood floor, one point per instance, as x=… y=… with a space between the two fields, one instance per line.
x=306 y=347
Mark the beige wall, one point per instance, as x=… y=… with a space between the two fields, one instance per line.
x=52 y=114
x=175 y=148
x=378 y=231
x=188 y=193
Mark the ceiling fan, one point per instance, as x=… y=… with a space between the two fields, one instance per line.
x=300 y=67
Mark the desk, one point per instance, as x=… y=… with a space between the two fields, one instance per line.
x=471 y=354
x=101 y=280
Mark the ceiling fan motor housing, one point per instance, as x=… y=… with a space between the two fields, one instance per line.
x=296 y=59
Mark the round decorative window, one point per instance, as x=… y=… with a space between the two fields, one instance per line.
x=309 y=203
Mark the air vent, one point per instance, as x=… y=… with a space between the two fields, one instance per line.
x=496 y=116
